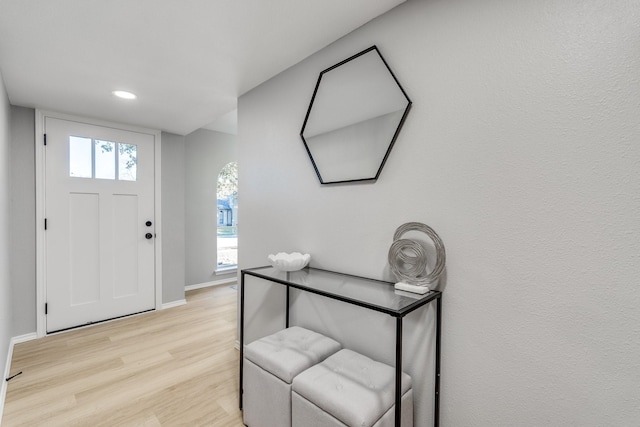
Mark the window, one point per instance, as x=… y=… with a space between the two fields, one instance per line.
x=227 y=221
x=105 y=159
x=89 y=158
x=127 y=162
x=80 y=157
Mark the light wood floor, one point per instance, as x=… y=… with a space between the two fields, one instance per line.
x=173 y=367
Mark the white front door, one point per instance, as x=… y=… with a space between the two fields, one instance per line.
x=99 y=210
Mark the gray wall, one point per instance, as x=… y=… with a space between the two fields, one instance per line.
x=6 y=306
x=173 y=210
x=23 y=219
x=522 y=152
x=206 y=153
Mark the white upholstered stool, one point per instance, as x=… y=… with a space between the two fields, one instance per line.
x=349 y=389
x=270 y=364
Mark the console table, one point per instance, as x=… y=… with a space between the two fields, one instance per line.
x=368 y=293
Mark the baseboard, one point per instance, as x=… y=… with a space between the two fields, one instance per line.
x=3 y=387
x=208 y=284
x=24 y=338
x=172 y=304
x=7 y=368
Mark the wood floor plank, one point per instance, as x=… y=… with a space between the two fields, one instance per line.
x=173 y=367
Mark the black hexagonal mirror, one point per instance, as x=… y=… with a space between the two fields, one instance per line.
x=356 y=112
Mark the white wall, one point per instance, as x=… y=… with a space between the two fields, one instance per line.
x=206 y=153
x=6 y=306
x=522 y=152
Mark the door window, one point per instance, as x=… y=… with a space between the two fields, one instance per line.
x=105 y=159
x=80 y=157
x=89 y=158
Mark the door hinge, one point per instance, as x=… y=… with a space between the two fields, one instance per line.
x=46 y=308
x=45 y=139
x=45 y=223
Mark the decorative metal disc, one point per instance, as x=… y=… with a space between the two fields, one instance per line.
x=408 y=259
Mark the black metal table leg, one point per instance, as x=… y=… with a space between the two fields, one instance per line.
x=286 y=325
x=398 y=371
x=240 y=389
x=436 y=406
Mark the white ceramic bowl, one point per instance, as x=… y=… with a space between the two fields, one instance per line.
x=289 y=262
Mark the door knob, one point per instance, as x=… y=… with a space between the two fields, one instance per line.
x=148 y=236
x=148 y=223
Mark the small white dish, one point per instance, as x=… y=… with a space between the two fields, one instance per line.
x=289 y=262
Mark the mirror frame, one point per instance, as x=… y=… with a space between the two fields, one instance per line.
x=395 y=134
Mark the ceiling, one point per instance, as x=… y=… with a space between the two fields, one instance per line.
x=186 y=60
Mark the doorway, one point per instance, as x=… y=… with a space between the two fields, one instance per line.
x=99 y=243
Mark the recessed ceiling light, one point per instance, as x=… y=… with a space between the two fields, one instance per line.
x=124 y=94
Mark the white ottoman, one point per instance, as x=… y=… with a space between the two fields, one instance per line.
x=270 y=364
x=349 y=389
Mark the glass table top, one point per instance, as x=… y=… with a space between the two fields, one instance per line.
x=373 y=294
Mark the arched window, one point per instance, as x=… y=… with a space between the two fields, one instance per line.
x=227 y=221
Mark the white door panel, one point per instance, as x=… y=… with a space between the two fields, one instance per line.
x=99 y=194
